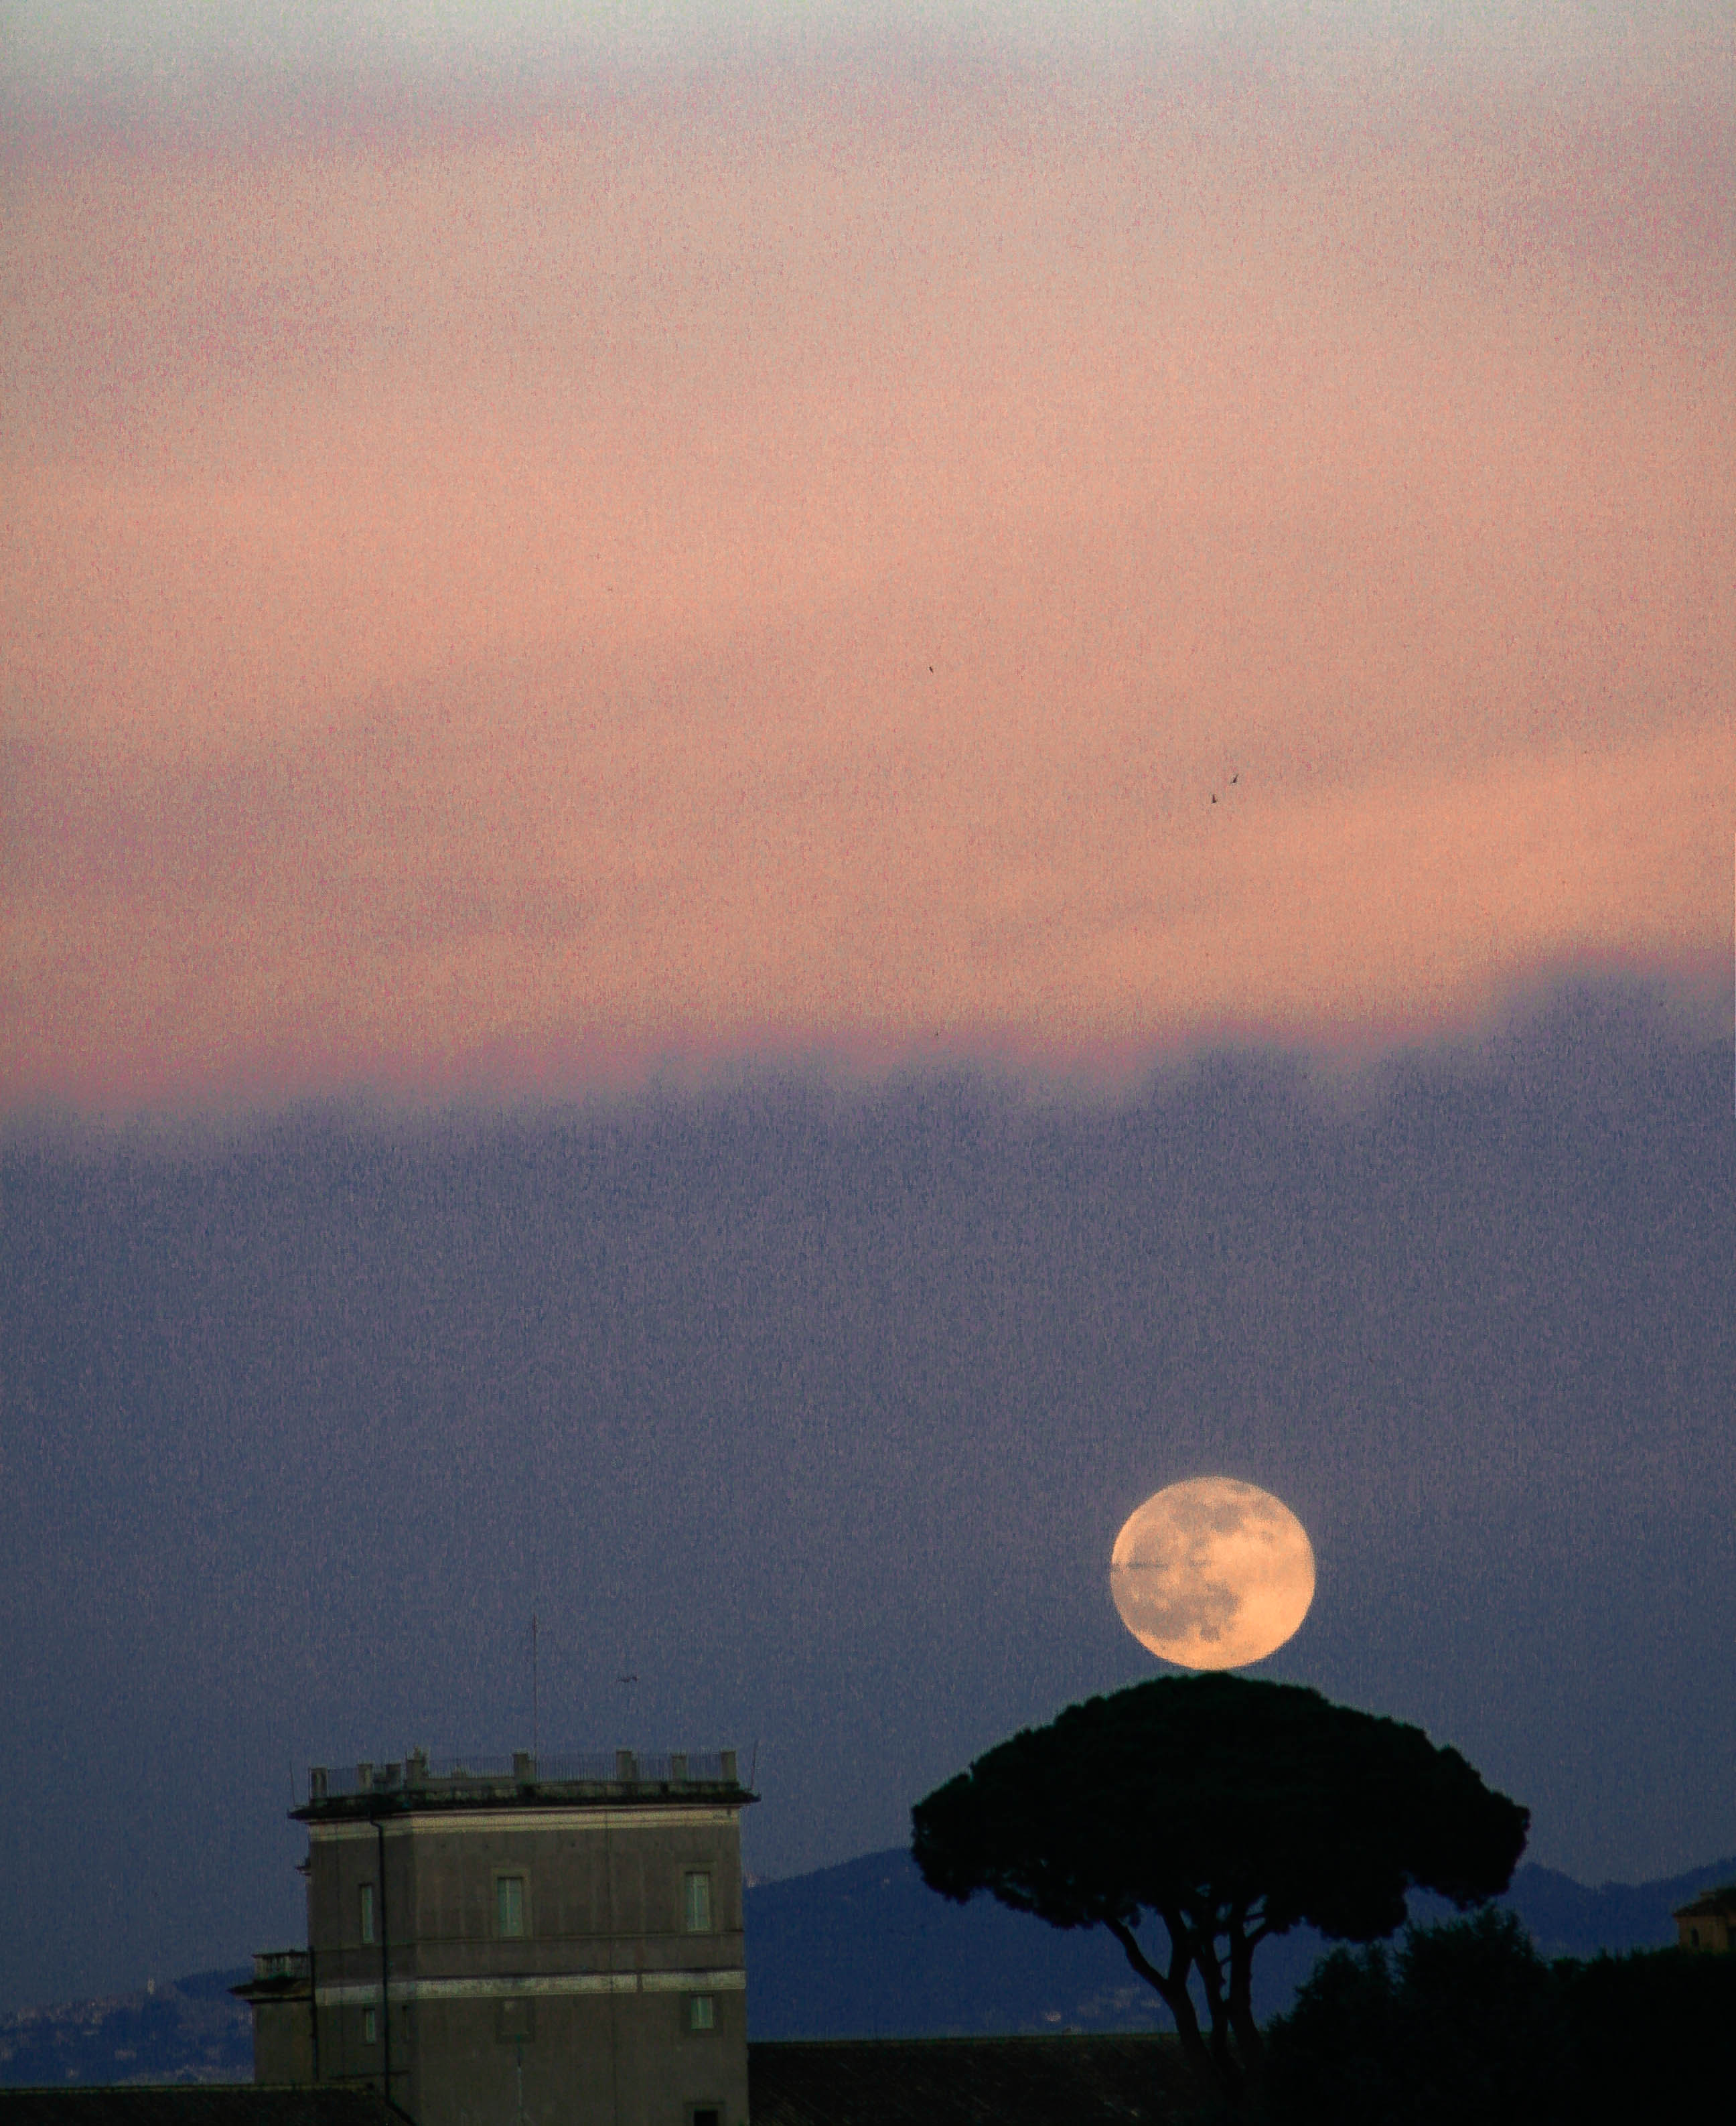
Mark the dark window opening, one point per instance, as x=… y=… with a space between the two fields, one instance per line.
x=515 y=2022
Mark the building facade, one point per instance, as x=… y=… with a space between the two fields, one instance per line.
x=1710 y=1922
x=552 y=1942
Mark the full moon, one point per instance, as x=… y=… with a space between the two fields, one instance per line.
x=1212 y=1573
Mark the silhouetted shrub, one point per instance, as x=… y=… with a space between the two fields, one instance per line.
x=1466 y=2022
x=1655 y=2028
x=1458 y=2024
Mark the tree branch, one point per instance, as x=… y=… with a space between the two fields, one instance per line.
x=1170 y=1990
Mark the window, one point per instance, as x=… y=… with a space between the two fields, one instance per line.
x=367 y=1912
x=707 y=2114
x=696 y=1902
x=370 y=2026
x=515 y=2022
x=701 y=2012
x=509 y=1907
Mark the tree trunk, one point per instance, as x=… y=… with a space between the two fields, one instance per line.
x=1203 y=1944
x=1240 y=2003
x=1171 y=1991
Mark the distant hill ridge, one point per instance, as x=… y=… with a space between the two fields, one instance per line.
x=861 y=1950
x=190 y=2030
x=866 y=1949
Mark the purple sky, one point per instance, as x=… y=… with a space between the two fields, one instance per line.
x=820 y=1412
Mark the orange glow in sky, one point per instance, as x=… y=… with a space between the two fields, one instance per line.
x=1046 y=565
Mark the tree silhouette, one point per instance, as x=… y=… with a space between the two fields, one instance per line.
x=1231 y=1811
x=1460 y=2022
x=1467 y=2021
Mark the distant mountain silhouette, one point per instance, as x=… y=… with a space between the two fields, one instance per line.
x=863 y=1950
x=191 y=2030
x=866 y=1949
x=1566 y=1918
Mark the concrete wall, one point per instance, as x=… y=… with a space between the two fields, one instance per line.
x=574 y=2061
x=1705 y=1930
x=587 y=2018
x=283 y=2042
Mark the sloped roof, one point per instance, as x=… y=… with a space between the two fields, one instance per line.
x=873 y=2082
x=968 y=2081
x=196 y=2103
x=1714 y=1904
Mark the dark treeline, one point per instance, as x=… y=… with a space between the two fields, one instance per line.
x=1467 y=2021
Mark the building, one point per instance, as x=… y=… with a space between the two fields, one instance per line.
x=1710 y=1922
x=538 y=1943
x=940 y=2081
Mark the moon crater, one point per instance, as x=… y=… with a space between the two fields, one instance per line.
x=1212 y=1573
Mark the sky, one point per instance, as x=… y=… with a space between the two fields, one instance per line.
x=789 y=792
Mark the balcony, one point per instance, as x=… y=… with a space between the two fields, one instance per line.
x=274 y=1963
x=279 y=1974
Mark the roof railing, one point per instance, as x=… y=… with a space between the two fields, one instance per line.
x=420 y=1774
x=279 y=1963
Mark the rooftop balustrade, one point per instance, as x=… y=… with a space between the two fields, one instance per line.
x=272 y=1964
x=420 y=1778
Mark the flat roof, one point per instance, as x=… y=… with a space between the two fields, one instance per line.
x=418 y=1784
